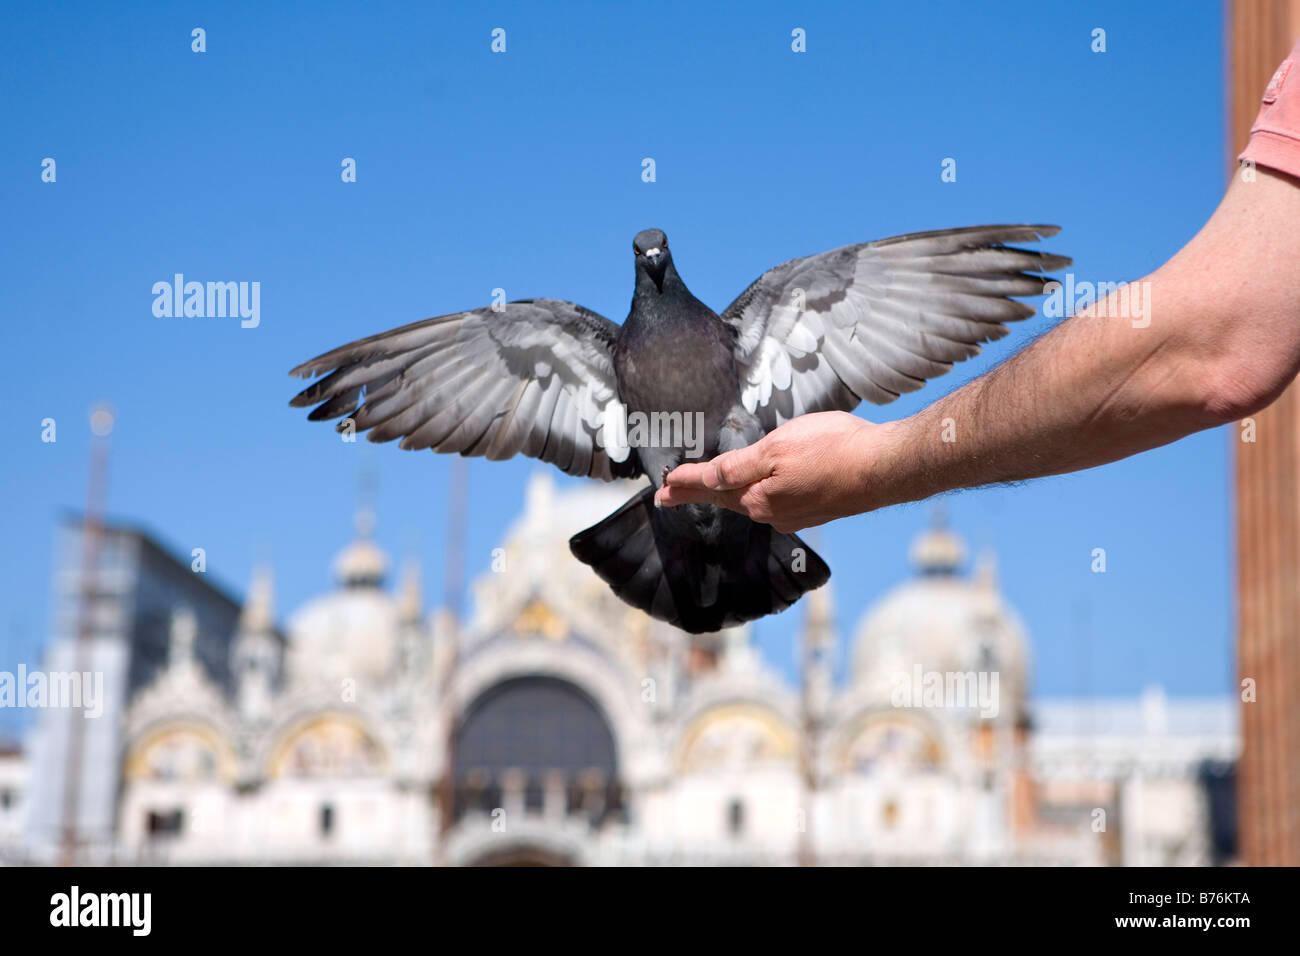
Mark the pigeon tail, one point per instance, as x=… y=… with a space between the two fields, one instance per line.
x=700 y=585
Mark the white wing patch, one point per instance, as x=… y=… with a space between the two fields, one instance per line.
x=793 y=334
x=878 y=319
x=611 y=430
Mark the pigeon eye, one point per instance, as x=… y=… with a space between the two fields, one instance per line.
x=636 y=251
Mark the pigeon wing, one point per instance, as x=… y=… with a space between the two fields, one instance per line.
x=533 y=377
x=875 y=320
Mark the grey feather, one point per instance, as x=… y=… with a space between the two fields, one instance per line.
x=874 y=320
x=531 y=377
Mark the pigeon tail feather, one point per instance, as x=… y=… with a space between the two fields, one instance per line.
x=752 y=570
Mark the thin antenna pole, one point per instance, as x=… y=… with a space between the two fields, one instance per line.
x=101 y=426
x=454 y=586
x=806 y=772
x=811 y=646
x=458 y=498
x=366 y=518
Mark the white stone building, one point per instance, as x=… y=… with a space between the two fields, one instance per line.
x=585 y=733
x=13 y=789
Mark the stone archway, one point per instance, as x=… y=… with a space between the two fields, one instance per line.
x=536 y=747
x=524 y=855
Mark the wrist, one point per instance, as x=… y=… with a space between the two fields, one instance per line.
x=877 y=457
x=894 y=469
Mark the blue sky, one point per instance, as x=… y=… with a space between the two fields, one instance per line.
x=522 y=171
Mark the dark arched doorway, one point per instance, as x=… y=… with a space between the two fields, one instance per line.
x=523 y=855
x=539 y=744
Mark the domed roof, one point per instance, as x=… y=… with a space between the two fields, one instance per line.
x=351 y=632
x=938 y=551
x=361 y=563
x=941 y=620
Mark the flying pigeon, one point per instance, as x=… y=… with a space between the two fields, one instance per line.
x=555 y=381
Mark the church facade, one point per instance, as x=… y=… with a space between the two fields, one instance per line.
x=557 y=726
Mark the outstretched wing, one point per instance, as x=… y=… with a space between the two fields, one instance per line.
x=878 y=319
x=533 y=377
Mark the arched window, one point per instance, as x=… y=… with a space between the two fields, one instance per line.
x=888 y=744
x=736 y=737
x=328 y=746
x=181 y=753
x=736 y=817
x=540 y=739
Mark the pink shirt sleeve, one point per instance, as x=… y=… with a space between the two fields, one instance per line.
x=1275 y=136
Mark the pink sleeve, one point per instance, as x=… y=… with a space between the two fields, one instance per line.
x=1275 y=137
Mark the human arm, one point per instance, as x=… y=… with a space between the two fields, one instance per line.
x=1222 y=341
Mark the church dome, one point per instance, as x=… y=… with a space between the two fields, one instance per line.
x=362 y=563
x=942 y=620
x=938 y=551
x=351 y=632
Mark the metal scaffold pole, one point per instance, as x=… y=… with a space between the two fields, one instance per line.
x=101 y=426
x=454 y=578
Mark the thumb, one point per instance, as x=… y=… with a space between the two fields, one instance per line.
x=736 y=469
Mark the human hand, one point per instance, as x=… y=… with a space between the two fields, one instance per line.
x=811 y=470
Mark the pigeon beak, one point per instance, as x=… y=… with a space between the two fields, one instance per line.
x=655 y=263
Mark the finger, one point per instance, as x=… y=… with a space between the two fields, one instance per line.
x=730 y=470
x=670 y=496
x=688 y=476
x=736 y=469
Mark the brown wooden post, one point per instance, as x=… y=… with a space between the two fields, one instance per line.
x=1259 y=35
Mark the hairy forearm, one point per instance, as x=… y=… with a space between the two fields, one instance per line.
x=1094 y=390
x=1220 y=340
x=1210 y=337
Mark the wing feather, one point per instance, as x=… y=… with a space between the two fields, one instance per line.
x=876 y=320
x=533 y=377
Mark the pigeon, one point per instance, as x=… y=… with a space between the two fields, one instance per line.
x=555 y=381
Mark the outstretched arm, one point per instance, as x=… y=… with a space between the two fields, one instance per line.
x=1221 y=341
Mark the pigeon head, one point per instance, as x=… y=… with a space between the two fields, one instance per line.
x=653 y=260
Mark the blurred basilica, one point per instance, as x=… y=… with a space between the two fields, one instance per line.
x=579 y=732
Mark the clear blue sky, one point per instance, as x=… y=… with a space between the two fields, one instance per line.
x=522 y=171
